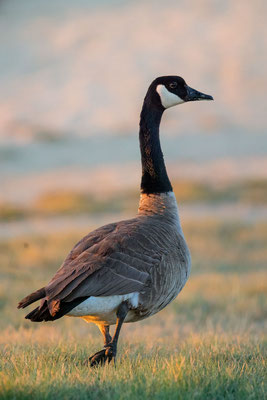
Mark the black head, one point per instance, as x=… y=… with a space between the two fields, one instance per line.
x=168 y=91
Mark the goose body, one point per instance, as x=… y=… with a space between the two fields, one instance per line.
x=129 y=270
x=153 y=244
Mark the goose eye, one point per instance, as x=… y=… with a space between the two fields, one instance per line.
x=173 y=85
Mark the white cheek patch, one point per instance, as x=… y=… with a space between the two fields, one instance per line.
x=168 y=99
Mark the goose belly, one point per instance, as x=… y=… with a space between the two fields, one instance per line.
x=103 y=309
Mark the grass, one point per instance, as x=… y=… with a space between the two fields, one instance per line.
x=198 y=368
x=210 y=343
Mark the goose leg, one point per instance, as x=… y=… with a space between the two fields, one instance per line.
x=104 y=329
x=110 y=349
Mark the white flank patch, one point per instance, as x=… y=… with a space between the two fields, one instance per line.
x=168 y=99
x=98 y=306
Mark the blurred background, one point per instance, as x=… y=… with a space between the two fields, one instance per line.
x=73 y=76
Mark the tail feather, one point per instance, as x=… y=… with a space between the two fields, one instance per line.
x=39 y=294
x=42 y=312
x=35 y=315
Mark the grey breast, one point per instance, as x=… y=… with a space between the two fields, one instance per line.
x=163 y=232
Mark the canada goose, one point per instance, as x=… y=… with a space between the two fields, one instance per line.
x=128 y=270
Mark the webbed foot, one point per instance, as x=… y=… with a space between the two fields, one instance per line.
x=103 y=356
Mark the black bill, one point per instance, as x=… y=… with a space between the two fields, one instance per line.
x=194 y=95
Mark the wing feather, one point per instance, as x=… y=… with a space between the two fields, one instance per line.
x=113 y=260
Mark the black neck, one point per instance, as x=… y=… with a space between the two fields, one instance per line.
x=154 y=174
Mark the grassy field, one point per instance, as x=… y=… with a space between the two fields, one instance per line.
x=208 y=344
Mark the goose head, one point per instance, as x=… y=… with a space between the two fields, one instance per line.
x=169 y=91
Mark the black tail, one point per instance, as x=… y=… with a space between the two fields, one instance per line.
x=39 y=294
x=42 y=313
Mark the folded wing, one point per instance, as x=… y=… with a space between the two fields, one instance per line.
x=113 y=260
